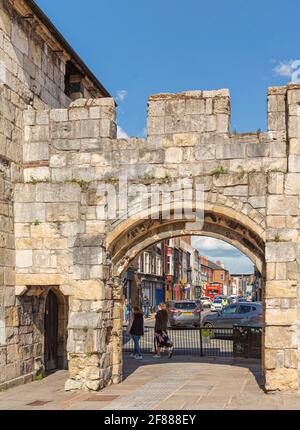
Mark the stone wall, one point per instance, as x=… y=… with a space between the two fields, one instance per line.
x=11 y=129
x=32 y=76
x=251 y=200
x=28 y=64
x=54 y=156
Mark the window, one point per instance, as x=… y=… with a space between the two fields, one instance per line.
x=73 y=81
x=229 y=310
x=146 y=262
x=169 y=265
x=222 y=276
x=185 y=305
x=152 y=258
x=158 y=266
x=244 y=309
x=140 y=264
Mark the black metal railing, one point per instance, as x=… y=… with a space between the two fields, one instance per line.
x=188 y=341
x=247 y=341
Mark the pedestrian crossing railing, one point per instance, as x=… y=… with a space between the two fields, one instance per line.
x=187 y=341
x=203 y=341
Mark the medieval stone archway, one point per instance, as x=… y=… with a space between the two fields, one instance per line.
x=251 y=200
x=132 y=236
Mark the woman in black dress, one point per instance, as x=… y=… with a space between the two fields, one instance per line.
x=136 y=330
x=161 y=335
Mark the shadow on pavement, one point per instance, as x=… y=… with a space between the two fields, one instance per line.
x=130 y=365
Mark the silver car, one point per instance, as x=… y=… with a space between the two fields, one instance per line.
x=244 y=313
x=183 y=313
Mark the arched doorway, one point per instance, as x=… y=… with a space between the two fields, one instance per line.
x=129 y=238
x=55 y=330
x=51 y=332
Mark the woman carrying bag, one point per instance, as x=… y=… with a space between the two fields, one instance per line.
x=162 y=339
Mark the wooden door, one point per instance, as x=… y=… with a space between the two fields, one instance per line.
x=51 y=332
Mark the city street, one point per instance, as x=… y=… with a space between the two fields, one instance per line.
x=150 y=322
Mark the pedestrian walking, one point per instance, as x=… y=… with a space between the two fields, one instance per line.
x=136 y=330
x=162 y=339
x=146 y=305
x=224 y=302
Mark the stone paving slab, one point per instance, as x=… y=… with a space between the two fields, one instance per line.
x=179 y=384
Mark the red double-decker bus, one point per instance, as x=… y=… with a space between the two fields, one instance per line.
x=213 y=289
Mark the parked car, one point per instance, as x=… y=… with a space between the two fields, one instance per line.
x=216 y=305
x=241 y=299
x=243 y=313
x=183 y=313
x=232 y=299
x=206 y=302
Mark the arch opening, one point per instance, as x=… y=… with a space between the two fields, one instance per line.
x=130 y=238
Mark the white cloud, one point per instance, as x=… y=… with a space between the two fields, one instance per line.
x=218 y=250
x=284 y=69
x=121 y=134
x=121 y=95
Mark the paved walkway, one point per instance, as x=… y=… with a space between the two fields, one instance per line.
x=159 y=384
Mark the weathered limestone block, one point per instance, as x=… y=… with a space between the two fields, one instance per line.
x=280 y=317
x=37 y=174
x=88 y=255
x=276 y=103
x=19 y=39
x=294 y=146
x=274 y=358
x=282 y=205
x=205 y=152
x=238 y=190
x=282 y=379
x=12 y=316
x=24 y=258
x=82 y=320
x=277 y=121
x=69 y=192
x=35 y=151
x=197 y=106
x=62 y=212
x=231 y=150
x=280 y=337
x=175 y=107
x=173 y=155
x=37 y=133
x=156 y=125
x=257 y=201
x=281 y=289
x=294 y=163
x=230 y=180
x=275 y=183
x=30 y=212
x=25 y=193
x=291 y=358
x=91 y=289
x=281 y=252
x=258 y=149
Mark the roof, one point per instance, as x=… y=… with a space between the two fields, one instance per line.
x=214 y=266
x=59 y=37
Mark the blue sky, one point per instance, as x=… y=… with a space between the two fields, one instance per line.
x=145 y=47
x=139 y=47
x=218 y=250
